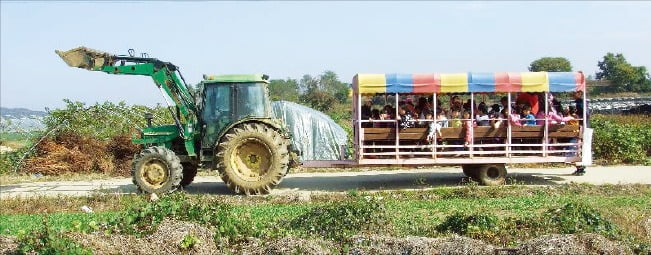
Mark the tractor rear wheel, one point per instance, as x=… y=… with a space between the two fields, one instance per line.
x=156 y=170
x=491 y=175
x=189 y=172
x=252 y=158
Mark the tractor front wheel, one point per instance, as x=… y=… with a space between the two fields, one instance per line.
x=156 y=170
x=252 y=158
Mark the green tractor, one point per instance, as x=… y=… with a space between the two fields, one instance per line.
x=227 y=125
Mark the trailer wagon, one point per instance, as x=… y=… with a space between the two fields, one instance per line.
x=487 y=140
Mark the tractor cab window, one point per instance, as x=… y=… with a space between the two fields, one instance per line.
x=217 y=103
x=216 y=112
x=251 y=100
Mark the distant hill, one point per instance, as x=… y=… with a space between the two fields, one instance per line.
x=17 y=113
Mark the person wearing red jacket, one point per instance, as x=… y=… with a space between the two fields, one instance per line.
x=531 y=99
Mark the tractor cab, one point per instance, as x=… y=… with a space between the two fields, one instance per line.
x=229 y=99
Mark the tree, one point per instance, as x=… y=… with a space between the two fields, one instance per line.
x=622 y=75
x=283 y=90
x=550 y=64
x=308 y=84
x=329 y=82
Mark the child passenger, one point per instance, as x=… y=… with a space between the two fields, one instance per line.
x=455 y=119
x=528 y=118
x=468 y=124
x=405 y=118
x=435 y=126
x=482 y=118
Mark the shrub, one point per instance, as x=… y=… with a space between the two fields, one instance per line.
x=44 y=240
x=475 y=225
x=104 y=120
x=579 y=218
x=339 y=220
x=143 y=218
x=621 y=139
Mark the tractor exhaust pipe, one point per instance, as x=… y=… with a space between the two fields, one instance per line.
x=85 y=58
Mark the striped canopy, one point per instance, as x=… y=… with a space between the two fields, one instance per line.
x=469 y=82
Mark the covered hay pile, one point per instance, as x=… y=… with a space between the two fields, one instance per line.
x=74 y=153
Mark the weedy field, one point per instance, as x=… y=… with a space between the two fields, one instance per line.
x=609 y=219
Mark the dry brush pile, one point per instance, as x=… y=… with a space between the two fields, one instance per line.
x=74 y=153
x=84 y=139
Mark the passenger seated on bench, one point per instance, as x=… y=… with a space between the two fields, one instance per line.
x=442 y=118
x=422 y=106
x=468 y=105
x=435 y=126
x=455 y=120
x=405 y=119
x=386 y=114
x=528 y=118
x=482 y=117
x=514 y=117
x=558 y=119
x=494 y=112
x=375 y=115
x=468 y=124
x=455 y=102
x=428 y=116
x=540 y=117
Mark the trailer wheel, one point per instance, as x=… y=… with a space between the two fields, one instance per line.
x=189 y=172
x=156 y=170
x=491 y=175
x=470 y=170
x=252 y=158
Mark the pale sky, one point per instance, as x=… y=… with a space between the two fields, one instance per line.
x=289 y=39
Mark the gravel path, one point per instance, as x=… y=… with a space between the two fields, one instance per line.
x=413 y=179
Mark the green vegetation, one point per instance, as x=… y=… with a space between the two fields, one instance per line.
x=550 y=64
x=623 y=76
x=339 y=220
x=44 y=240
x=622 y=139
x=504 y=216
x=105 y=120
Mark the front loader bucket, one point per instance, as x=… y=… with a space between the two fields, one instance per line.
x=85 y=58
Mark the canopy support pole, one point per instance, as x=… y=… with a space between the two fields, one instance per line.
x=435 y=140
x=546 y=134
x=359 y=133
x=508 y=130
x=397 y=126
x=471 y=127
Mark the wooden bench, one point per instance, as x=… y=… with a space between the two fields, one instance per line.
x=555 y=131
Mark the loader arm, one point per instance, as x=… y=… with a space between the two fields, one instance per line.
x=165 y=75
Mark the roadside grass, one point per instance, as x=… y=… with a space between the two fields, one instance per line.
x=505 y=216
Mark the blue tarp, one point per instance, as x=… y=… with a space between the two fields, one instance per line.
x=315 y=135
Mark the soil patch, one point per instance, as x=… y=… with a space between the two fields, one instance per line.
x=572 y=244
x=167 y=239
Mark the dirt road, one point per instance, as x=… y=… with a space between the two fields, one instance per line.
x=414 y=179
